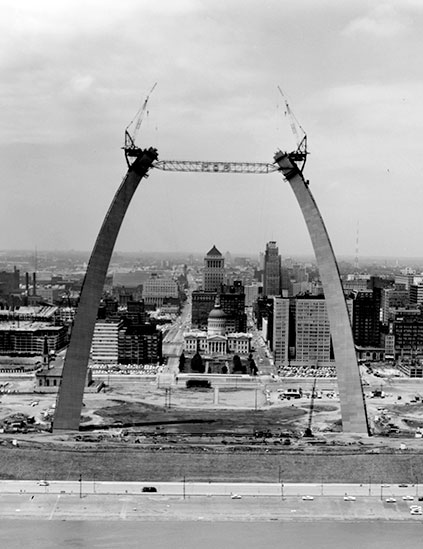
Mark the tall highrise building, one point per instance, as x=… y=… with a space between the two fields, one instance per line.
x=272 y=270
x=366 y=318
x=301 y=332
x=312 y=332
x=281 y=330
x=214 y=271
x=104 y=346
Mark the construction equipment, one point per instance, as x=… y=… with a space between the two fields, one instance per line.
x=215 y=167
x=308 y=432
x=300 y=155
x=131 y=150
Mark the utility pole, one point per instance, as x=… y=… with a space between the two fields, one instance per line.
x=80 y=485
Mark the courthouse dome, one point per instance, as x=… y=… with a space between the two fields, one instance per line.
x=217 y=320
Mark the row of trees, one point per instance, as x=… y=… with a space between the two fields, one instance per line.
x=238 y=366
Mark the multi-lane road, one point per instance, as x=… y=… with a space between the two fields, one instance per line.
x=173 y=342
x=280 y=489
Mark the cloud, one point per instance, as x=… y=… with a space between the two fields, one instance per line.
x=377 y=107
x=384 y=21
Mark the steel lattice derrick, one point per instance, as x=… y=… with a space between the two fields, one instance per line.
x=215 y=167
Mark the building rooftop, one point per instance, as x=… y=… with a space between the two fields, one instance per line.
x=28 y=326
x=214 y=252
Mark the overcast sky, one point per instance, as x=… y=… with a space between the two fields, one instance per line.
x=74 y=73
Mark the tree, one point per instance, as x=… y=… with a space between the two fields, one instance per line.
x=182 y=362
x=253 y=366
x=238 y=367
x=197 y=363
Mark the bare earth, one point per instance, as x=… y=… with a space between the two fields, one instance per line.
x=244 y=434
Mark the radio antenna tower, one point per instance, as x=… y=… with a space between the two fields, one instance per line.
x=357 y=267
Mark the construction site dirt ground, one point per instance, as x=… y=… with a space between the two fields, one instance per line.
x=138 y=430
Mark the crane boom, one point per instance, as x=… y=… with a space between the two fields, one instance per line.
x=215 y=167
x=131 y=150
x=299 y=134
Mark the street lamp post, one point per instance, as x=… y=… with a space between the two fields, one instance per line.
x=80 y=485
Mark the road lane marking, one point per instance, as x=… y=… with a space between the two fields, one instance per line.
x=54 y=508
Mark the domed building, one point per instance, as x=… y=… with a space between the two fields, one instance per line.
x=216 y=324
x=216 y=330
x=216 y=344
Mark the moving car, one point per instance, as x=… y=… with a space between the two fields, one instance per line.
x=149 y=489
x=235 y=496
x=349 y=498
x=391 y=500
x=43 y=483
x=307 y=498
x=407 y=498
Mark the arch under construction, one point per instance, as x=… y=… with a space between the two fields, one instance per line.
x=69 y=403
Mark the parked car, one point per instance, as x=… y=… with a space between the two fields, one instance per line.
x=149 y=489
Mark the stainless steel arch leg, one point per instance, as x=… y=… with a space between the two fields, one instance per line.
x=69 y=403
x=353 y=409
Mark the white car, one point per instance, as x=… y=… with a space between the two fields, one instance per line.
x=308 y=498
x=43 y=483
x=349 y=498
x=236 y=496
x=407 y=498
x=416 y=511
x=391 y=500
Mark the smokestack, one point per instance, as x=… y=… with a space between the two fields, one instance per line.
x=27 y=284
x=34 y=283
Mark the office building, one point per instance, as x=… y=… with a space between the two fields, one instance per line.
x=272 y=270
x=28 y=338
x=312 y=331
x=280 y=346
x=214 y=271
x=393 y=299
x=104 y=347
x=366 y=317
x=140 y=344
x=156 y=289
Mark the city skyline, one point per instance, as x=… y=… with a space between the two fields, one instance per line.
x=72 y=84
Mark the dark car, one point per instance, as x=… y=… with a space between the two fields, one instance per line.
x=149 y=489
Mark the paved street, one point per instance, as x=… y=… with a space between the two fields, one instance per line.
x=213 y=489
x=192 y=501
